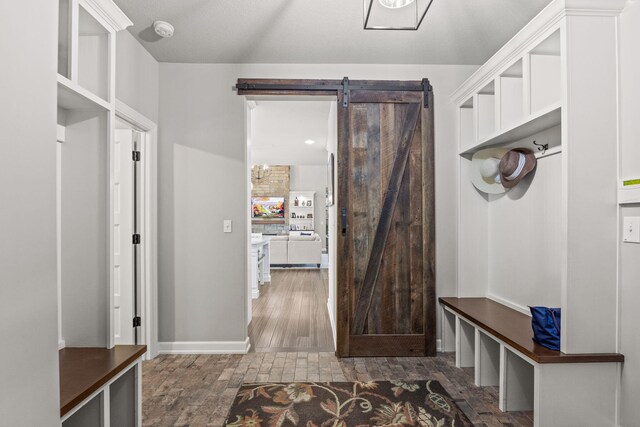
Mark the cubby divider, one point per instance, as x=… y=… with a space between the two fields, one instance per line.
x=516 y=382
x=487 y=362
x=465 y=334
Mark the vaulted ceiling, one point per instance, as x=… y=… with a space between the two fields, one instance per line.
x=324 y=31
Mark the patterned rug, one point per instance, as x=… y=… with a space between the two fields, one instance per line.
x=345 y=404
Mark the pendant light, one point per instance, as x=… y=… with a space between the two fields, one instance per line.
x=394 y=14
x=395 y=4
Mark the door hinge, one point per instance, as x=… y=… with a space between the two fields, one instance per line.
x=137 y=321
x=136 y=156
x=136 y=239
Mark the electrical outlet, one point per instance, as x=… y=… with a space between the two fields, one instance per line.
x=631 y=229
x=227 y=225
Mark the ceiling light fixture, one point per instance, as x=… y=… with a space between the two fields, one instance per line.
x=394 y=14
x=309 y=142
x=260 y=172
x=395 y=4
x=163 y=29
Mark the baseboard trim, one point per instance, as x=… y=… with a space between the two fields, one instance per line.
x=204 y=347
x=61 y=345
x=332 y=322
x=439 y=345
x=517 y=307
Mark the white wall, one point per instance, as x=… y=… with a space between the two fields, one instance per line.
x=524 y=237
x=312 y=178
x=29 y=390
x=137 y=76
x=203 y=180
x=629 y=276
x=84 y=230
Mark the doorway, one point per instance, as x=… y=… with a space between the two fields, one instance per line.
x=289 y=267
x=133 y=213
x=385 y=275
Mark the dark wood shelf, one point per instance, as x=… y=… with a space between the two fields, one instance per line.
x=84 y=370
x=514 y=328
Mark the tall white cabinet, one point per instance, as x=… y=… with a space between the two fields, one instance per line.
x=86 y=277
x=552 y=240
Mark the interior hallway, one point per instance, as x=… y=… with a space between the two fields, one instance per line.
x=198 y=390
x=291 y=313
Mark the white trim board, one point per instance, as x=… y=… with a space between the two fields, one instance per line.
x=149 y=209
x=204 y=347
x=332 y=322
x=513 y=305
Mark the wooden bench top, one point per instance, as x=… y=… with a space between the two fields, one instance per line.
x=514 y=328
x=85 y=370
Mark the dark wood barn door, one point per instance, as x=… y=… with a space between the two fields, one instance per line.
x=386 y=278
x=386 y=218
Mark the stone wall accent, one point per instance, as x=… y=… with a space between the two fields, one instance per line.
x=276 y=185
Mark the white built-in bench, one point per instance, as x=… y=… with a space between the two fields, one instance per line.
x=561 y=389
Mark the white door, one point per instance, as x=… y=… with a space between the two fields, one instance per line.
x=123 y=223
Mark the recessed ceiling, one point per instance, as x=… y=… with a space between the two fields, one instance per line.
x=279 y=130
x=324 y=31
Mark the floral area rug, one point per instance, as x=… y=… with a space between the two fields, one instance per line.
x=345 y=404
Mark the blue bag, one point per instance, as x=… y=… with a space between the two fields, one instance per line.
x=545 y=322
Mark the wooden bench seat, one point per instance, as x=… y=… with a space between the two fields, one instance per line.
x=514 y=328
x=496 y=341
x=84 y=371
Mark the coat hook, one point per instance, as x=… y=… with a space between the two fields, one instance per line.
x=541 y=147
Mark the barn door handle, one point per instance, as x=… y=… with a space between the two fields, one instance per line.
x=344 y=221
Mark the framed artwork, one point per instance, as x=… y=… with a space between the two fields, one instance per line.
x=330 y=180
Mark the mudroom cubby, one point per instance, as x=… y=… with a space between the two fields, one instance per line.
x=100 y=382
x=510 y=91
x=93 y=53
x=486 y=111
x=551 y=240
x=544 y=71
x=466 y=120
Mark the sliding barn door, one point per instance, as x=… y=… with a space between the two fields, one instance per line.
x=386 y=221
x=386 y=278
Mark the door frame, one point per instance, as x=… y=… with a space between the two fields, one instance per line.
x=148 y=227
x=296 y=88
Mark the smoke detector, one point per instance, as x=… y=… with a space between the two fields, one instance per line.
x=163 y=29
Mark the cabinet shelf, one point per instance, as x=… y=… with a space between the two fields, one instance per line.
x=74 y=97
x=545 y=119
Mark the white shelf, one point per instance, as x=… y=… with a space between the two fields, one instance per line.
x=629 y=194
x=545 y=119
x=74 y=97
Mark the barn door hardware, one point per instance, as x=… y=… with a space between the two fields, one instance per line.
x=330 y=87
x=345 y=92
x=426 y=88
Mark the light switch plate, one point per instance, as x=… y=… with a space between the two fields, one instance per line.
x=631 y=229
x=227 y=226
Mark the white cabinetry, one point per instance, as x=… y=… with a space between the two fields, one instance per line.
x=554 y=83
x=86 y=117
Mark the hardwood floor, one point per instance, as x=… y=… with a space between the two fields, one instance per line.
x=291 y=313
x=198 y=390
